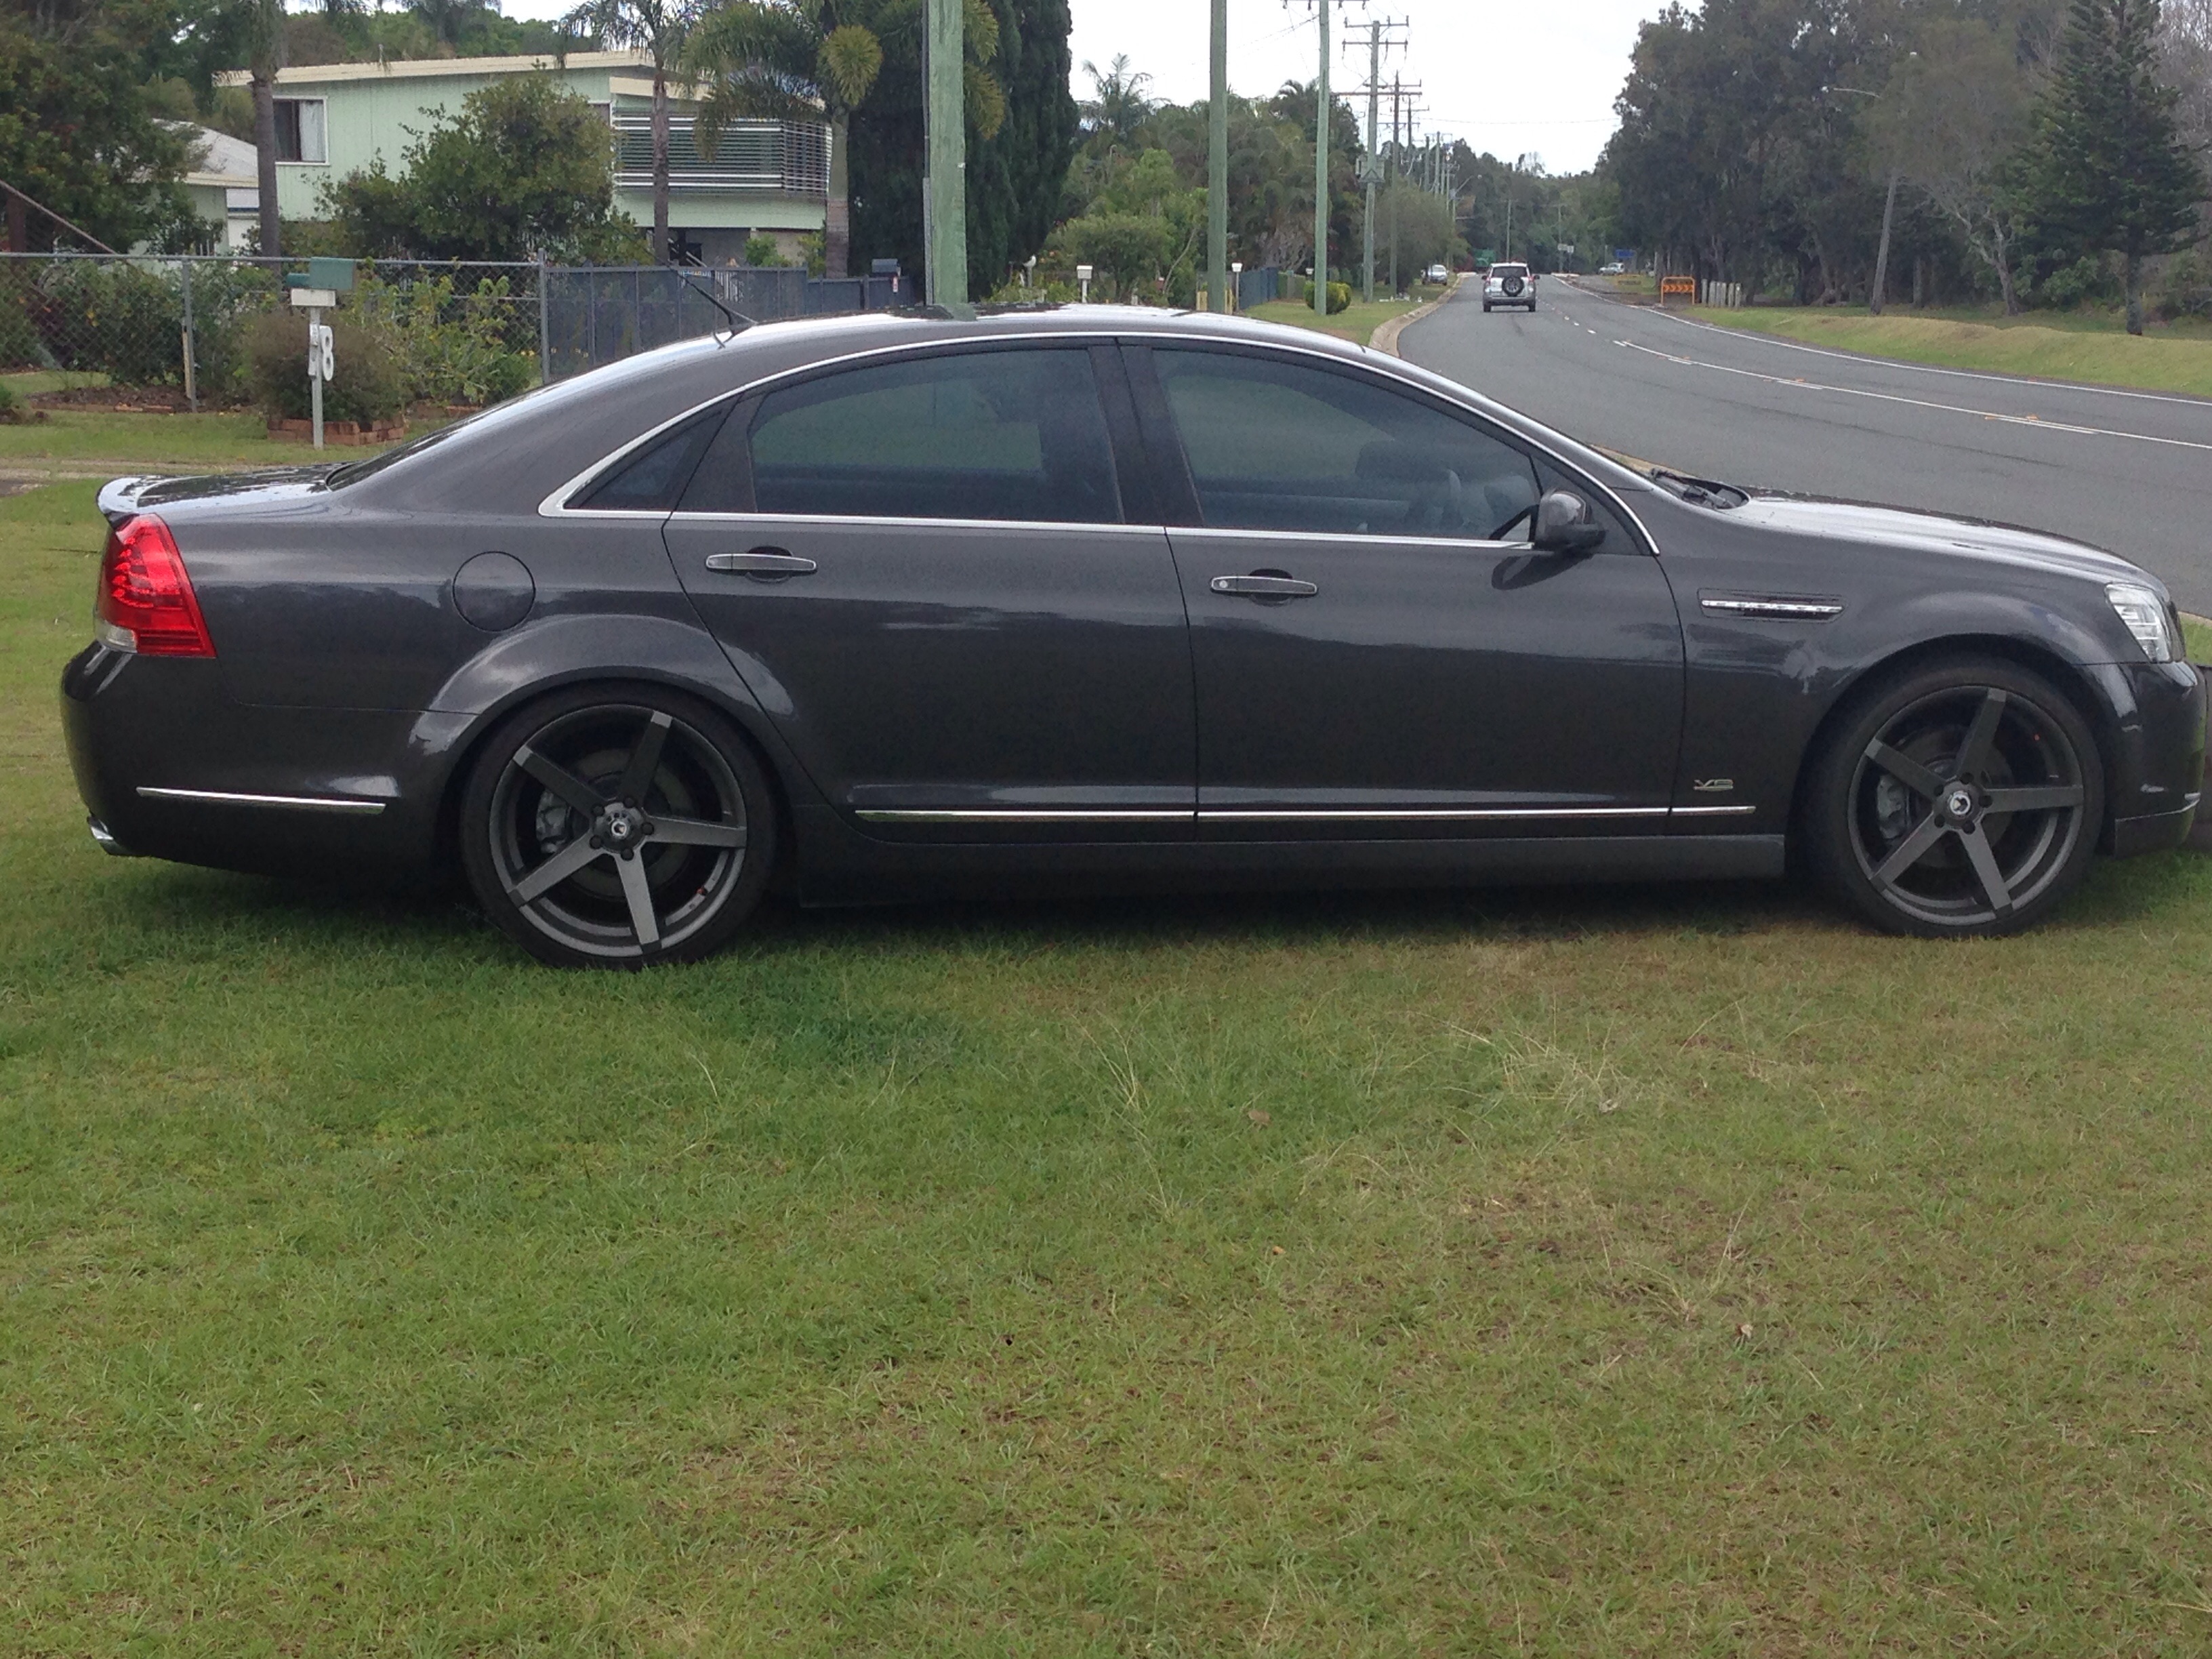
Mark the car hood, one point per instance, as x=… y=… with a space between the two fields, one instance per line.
x=1890 y=527
x=121 y=497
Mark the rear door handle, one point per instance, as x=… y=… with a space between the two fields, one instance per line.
x=761 y=562
x=1264 y=587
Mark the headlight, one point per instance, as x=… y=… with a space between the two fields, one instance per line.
x=2144 y=613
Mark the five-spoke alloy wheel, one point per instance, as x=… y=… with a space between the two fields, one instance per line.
x=615 y=828
x=1965 y=798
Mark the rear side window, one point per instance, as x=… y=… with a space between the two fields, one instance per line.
x=1005 y=434
x=653 y=480
x=1285 y=446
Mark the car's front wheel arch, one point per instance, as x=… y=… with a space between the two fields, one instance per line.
x=1872 y=679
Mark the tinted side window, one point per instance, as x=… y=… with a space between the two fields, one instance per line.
x=653 y=480
x=986 y=435
x=1278 y=445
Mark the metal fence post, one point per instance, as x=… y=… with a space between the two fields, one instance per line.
x=544 y=336
x=191 y=379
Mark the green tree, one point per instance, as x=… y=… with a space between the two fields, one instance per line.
x=776 y=57
x=523 y=170
x=78 y=132
x=2108 y=171
x=1022 y=128
x=658 y=28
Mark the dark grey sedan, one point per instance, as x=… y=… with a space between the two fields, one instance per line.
x=1096 y=597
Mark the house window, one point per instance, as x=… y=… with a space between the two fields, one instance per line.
x=301 y=133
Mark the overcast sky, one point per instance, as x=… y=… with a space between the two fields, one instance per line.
x=1511 y=76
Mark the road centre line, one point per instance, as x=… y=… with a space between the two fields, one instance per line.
x=2033 y=423
x=2023 y=381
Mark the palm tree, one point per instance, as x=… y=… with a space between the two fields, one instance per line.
x=660 y=28
x=778 y=60
x=259 y=30
x=1117 y=105
x=804 y=60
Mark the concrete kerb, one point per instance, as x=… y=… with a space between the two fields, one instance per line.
x=1385 y=338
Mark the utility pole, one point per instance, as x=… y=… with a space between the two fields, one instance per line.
x=1371 y=164
x=944 y=187
x=1401 y=132
x=1322 y=113
x=1216 y=168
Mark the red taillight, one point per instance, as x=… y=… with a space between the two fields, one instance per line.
x=146 y=598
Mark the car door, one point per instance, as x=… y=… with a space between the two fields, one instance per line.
x=1378 y=650
x=926 y=569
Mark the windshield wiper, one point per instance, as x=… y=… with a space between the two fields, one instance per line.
x=1701 y=492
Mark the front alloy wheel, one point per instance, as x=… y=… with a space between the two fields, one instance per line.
x=615 y=831
x=1968 y=800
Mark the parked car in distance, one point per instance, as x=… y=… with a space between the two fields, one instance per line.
x=1614 y=269
x=1509 y=285
x=1437 y=275
x=1095 y=597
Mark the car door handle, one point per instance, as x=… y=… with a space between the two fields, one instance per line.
x=768 y=562
x=1264 y=587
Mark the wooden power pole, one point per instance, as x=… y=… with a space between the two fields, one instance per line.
x=944 y=187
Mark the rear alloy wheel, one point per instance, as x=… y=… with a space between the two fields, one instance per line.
x=1966 y=799
x=614 y=828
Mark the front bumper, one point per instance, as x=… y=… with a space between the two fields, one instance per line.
x=2158 y=766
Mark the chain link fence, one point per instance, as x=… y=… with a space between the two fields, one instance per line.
x=183 y=332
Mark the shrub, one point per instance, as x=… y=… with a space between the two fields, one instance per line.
x=1339 y=297
x=466 y=347
x=10 y=411
x=121 y=320
x=368 y=386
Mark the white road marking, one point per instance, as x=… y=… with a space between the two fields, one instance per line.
x=2023 y=381
x=2032 y=421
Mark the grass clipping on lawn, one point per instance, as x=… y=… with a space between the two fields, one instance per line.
x=2096 y=357
x=1579 y=1271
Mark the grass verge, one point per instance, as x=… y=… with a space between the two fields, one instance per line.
x=1356 y=323
x=2097 y=356
x=68 y=440
x=1585 y=1272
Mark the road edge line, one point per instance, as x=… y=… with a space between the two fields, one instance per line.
x=1385 y=338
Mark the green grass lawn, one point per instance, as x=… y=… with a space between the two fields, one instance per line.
x=1586 y=1272
x=1358 y=323
x=2091 y=348
x=77 y=439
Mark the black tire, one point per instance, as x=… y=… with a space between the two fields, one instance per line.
x=615 y=826
x=1958 y=800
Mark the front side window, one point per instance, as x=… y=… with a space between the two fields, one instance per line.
x=1013 y=435
x=300 y=130
x=1291 y=447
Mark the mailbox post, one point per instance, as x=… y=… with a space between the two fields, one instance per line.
x=315 y=293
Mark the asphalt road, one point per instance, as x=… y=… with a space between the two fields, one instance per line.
x=2127 y=471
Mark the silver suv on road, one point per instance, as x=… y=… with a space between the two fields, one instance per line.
x=1509 y=285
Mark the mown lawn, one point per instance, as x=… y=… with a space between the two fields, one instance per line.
x=2094 y=350
x=1577 y=1272
x=1358 y=323
x=70 y=439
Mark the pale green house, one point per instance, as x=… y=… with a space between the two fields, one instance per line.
x=767 y=178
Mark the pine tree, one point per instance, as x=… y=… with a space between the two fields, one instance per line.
x=2110 y=171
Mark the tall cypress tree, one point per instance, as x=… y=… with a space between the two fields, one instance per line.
x=2110 y=172
x=1014 y=176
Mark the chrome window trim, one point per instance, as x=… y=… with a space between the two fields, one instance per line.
x=554 y=506
x=1210 y=533
x=297 y=803
x=1090 y=526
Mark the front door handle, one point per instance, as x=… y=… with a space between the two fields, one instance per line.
x=1264 y=585
x=769 y=563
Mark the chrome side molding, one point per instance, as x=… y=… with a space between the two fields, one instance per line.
x=295 y=803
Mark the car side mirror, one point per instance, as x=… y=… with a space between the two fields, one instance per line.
x=1564 y=524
